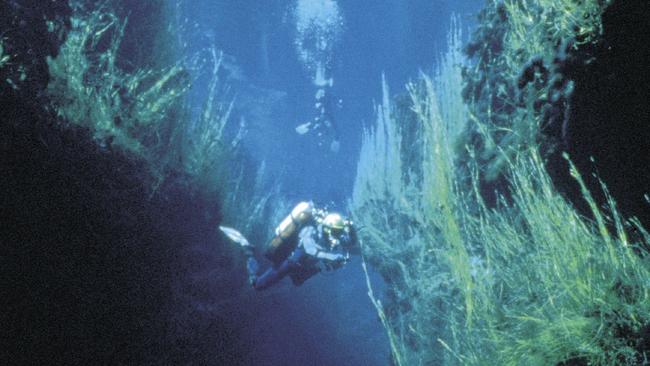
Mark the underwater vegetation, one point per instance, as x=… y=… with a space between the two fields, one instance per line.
x=89 y=89
x=486 y=261
x=136 y=111
x=112 y=192
x=3 y=58
x=143 y=112
x=514 y=80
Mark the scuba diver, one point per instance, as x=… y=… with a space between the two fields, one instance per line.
x=306 y=242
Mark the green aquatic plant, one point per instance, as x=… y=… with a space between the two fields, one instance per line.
x=516 y=50
x=400 y=222
x=531 y=282
x=88 y=88
x=204 y=146
x=402 y=213
x=3 y=58
x=144 y=111
x=525 y=281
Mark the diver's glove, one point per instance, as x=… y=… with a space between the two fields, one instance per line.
x=338 y=262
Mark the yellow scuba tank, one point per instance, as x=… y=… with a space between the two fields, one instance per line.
x=285 y=239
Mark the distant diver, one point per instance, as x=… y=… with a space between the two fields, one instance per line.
x=319 y=26
x=306 y=242
x=324 y=124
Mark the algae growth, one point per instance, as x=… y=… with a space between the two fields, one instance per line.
x=505 y=273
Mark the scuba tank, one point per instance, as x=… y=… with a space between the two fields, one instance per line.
x=286 y=234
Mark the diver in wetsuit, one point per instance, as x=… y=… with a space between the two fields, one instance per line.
x=307 y=242
x=325 y=104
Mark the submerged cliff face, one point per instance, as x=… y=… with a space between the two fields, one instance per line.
x=93 y=265
x=99 y=257
x=574 y=81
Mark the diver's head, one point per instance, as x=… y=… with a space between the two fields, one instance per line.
x=334 y=226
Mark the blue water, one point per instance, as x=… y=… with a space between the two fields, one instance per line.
x=329 y=320
x=108 y=257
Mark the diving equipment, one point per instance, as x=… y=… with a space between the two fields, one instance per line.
x=285 y=239
x=235 y=236
x=334 y=221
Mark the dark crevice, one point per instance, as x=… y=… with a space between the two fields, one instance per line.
x=606 y=127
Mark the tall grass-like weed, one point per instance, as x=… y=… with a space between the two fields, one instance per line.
x=527 y=281
x=509 y=85
x=143 y=112
x=146 y=113
x=124 y=110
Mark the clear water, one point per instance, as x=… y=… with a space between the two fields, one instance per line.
x=281 y=54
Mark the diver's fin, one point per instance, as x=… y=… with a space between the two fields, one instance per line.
x=303 y=128
x=235 y=236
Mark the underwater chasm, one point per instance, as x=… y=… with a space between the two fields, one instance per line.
x=113 y=189
x=502 y=197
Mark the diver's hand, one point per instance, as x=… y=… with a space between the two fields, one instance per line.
x=338 y=262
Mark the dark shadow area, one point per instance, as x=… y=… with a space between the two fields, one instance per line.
x=609 y=113
x=96 y=266
x=103 y=263
x=89 y=260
